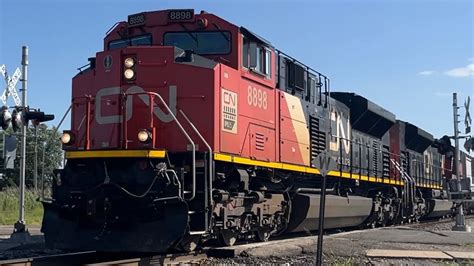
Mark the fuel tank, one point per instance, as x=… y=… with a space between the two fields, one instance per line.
x=438 y=208
x=339 y=212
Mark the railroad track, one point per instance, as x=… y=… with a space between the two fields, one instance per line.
x=96 y=258
x=426 y=223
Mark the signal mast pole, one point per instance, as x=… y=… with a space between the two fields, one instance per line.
x=20 y=225
x=460 y=219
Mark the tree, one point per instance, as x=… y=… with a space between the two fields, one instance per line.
x=47 y=139
x=49 y=144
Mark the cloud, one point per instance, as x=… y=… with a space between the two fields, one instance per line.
x=426 y=73
x=461 y=71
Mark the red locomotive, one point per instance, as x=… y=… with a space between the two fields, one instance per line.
x=187 y=128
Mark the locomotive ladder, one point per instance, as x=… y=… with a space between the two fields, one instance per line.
x=408 y=199
x=207 y=182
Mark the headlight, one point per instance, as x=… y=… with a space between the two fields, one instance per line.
x=144 y=135
x=129 y=62
x=58 y=180
x=129 y=73
x=67 y=138
x=6 y=118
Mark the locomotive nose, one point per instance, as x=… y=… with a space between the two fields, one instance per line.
x=166 y=223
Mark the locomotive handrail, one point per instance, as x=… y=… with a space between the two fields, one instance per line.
x=88 y=99
x=437 y=179
x=327 y=89
x=410 y=184
x=210 y=171
x=49 y=140
x=193 y=145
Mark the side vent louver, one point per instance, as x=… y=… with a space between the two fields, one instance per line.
x=386 y=161
x=375 y=154
x=404 y=162
x=259 y=141
x=317 y=137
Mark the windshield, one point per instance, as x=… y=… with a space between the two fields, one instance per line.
x=134 y=41
x=205 y=42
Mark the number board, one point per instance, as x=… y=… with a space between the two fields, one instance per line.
x=136 y=19
x=181 y=15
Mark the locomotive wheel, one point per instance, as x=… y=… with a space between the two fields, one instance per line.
x=189 y=243
x=227 y=238
x=262 y=235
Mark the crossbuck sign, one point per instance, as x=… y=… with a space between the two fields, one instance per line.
x=324 y=163
x=11 y=83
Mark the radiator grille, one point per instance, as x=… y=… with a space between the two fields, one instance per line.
x=386 y=161
x=375 y=155
x=404 y=161
x=317 y=137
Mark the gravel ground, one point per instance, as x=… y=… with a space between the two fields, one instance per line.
x=310 y=259
x=445 y=225
x=336 y=251
x=28 y=251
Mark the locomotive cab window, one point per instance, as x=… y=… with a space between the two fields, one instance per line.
x=256 y=57
x=203 y=43
x=133 y=41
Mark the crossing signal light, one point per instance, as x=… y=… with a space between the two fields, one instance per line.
x=22 y=117
x=37 y=116
x=17 y=120
x=469 y=145
x=5 y=117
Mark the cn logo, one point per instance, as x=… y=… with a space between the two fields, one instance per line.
x=229 y=111
x=343 y=132
x=230 y=98
x=113 y=119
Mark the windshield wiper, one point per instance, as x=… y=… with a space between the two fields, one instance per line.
x=221 y=32
x=190 y=34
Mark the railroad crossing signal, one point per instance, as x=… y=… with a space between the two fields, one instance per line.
x=324 y=163
x=467 y=119
x=11 y=83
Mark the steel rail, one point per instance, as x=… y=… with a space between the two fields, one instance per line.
x=99 y=258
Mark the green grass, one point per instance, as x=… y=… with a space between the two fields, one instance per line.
x=9 y=207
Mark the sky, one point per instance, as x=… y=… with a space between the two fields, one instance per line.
x=407 y=56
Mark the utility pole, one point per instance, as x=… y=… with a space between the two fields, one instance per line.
x=35 y=173
x=20 y=225
x=460 y=219
x=42 y=172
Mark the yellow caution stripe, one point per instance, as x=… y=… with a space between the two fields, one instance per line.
x=116 y=154
x=305 y=169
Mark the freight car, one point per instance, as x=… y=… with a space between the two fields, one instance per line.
x=187 y=128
